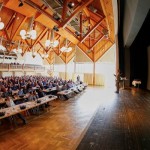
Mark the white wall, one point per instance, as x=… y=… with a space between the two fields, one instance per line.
x=28 y=59
x=109 y=56
x=19 y=73
x=148 y=80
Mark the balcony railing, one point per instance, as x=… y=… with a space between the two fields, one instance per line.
x=19 y=67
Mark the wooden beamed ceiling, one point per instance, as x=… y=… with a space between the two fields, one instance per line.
x=89 y=25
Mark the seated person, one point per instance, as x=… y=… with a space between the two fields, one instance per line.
x=9 y=90
x=40 y=93
x=25 y=91
x=10 y=103
x=50 y=85
x=31 y=96
x=35 y=94
x=6 y=93
x=64 y=87
x=46 y=86
x=20 y=92
x=78 y=78
x=14 y=87
x=69 y=85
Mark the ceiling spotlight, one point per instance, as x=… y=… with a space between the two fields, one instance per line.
x=20 y=3
x=77 y=33
x=55 y=28
x=71 y=5
x=56 y=17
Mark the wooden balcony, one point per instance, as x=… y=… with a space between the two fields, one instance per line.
x=19 y=67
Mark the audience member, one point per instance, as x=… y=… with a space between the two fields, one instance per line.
x=10 y=103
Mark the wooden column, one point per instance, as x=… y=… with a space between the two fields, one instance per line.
x=74 y=67
x=65 y=71
x=75 y=63
x=117 y=63
x=93 y=73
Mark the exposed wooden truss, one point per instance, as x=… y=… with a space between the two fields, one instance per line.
x=82 y=26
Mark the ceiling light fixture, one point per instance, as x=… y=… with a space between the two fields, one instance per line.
x=17 y=50
x=1 y=23
x=34 y=53
x=51 y=43
x=77 y=33
x=71 y=5
x=66 y=48
x=44 y=55
x=30 y=33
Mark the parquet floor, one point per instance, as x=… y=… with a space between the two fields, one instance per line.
x=59 y=129
x=112 y=121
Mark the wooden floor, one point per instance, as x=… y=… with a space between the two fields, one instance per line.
x=123 y=124
x=112 y=121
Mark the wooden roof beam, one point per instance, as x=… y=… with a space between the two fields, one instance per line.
x=69 y=31
x=105 y=13
x=97 y=41
x=104 y=51
x=77 y=10
x=96 y=25
x=48 y=60
x=42 y=46
x=24 y=51
x=19 y=28
x=64 y=11
x=81 y=25
x=96 y=14
x=37 y=39
x=86 y=11
x=30 y=46
x=100 y=26
x=32 y=4
x=7 y=36
x=40 y=36
x=10 y=21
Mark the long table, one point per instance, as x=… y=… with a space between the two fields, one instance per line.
x=66 y=94
x=10 y=111
x=16 y=98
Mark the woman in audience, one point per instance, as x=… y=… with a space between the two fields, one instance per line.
x=10 y=103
